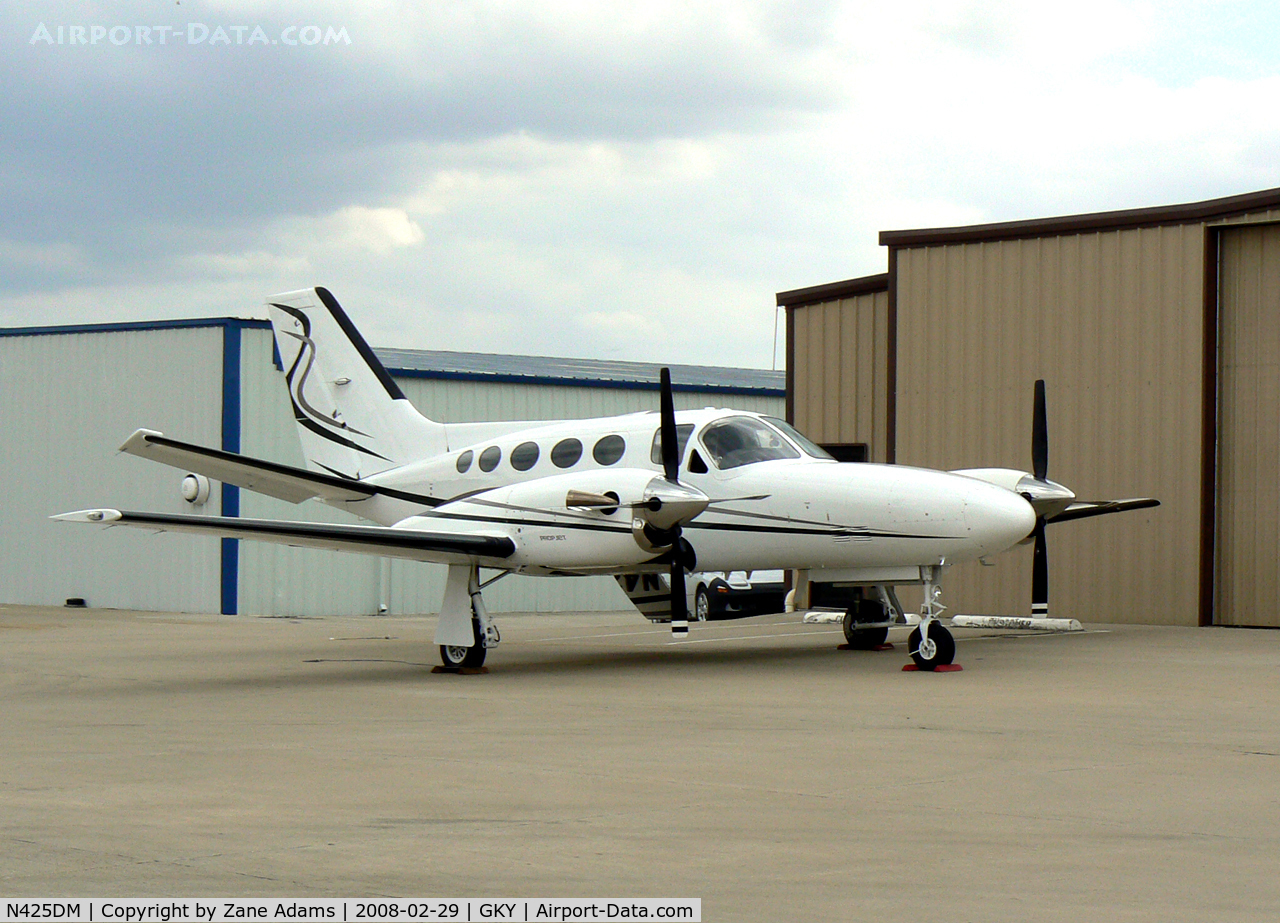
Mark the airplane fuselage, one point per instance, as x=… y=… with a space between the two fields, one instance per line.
x=797 y=511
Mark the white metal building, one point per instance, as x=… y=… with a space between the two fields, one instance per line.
x=69 y=396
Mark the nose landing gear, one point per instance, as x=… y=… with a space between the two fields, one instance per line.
x=931 y=644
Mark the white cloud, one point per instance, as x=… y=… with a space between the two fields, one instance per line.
x=623 y=179
x=376 y=229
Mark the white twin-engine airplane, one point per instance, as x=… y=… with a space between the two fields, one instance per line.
x=635 y=496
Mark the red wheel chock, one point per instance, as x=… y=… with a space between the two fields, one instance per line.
x=943 y=668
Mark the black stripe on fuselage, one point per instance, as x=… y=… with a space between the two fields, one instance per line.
x=719 y=527
x=836 y=533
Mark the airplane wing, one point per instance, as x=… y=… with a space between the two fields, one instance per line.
x=439 y=547
x=271 y=478
x=1083 y=509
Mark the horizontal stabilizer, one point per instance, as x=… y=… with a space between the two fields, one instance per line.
x=441 y=547
x=271 y=478
x=1083 y=509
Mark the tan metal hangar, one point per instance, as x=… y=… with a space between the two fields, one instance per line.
x=1157 y=331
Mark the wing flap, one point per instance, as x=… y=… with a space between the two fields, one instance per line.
x=387 y=541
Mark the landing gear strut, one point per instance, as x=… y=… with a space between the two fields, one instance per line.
x=464 y=618
x=930 y=644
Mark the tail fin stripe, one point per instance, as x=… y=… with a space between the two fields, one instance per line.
x=333 y=437
x=297 y=388
x=361 y=346
x=351 y=416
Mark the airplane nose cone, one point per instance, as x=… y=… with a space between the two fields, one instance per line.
x=998 y=518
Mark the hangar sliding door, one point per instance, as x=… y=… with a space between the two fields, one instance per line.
x=1248 y=540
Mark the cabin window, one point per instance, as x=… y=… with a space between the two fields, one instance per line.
x=524 y=456
x=464 y=461
x=683 y=432
x=738 y=441
x=490 y=457
x=566 y=452
x=696 y=464
x=609 y=449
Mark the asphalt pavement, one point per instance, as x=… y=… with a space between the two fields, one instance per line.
x=1123 y=773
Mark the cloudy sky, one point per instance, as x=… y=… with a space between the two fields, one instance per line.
x=593 y=179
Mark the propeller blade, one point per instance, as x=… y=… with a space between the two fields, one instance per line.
x=1084 y=509
x=1040 y=574
x=679 y=604
x=1040 y=435
x=670 y=441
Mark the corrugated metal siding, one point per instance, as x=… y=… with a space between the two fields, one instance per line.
x=1248 y=543
x=1113 y=322
x=279 y=580
x=841 y=371
x=66 y=403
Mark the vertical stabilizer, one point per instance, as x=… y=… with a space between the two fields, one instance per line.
x=352 y=418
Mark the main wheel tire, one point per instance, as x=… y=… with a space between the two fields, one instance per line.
x=944 y=648
x=456 y=657
x=701 y=605
x=865 y=639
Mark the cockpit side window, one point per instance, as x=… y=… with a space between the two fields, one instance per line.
x=683 y=432
x=737 y=441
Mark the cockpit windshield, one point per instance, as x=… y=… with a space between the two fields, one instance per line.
x=807 y=446
x=737 y=441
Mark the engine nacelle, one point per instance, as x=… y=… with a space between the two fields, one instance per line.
x=588 y=520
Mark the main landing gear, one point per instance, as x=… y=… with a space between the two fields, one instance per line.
x=455 y=657
x=866 y=625
x=930 y=644
x=465 y=632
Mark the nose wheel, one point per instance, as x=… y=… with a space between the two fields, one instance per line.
x=936 y=649
x=930 y=644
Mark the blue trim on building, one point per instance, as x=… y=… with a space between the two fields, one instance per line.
x=231 y=443
x=399 y=371
x=185 y=324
